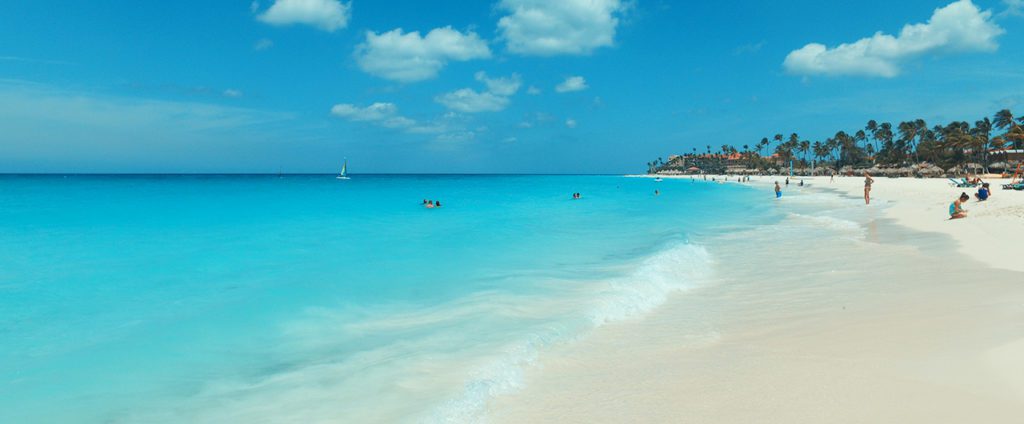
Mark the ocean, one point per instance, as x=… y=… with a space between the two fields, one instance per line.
x=303 y=298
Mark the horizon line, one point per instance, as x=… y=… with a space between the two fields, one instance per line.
x=5 y=174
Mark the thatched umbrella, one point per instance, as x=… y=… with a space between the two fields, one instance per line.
x=999 y=165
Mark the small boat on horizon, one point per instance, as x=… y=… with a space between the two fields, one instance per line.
x=344 y=171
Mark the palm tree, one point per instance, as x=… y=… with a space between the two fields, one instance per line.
x=1004 y=120
x=805 y=146
x=819 y=150
x=982 y=133
x=860 y=137
x=907 y=132
x=872 y=128
x=884 y=135
x=763 y=144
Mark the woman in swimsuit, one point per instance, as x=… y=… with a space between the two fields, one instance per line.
x=867 y=188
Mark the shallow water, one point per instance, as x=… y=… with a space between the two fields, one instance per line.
x=305 y=298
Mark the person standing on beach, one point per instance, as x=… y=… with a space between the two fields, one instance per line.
x=778 y=190
x=867 y=188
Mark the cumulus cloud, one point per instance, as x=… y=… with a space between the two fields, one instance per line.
x=231 y=92
x=533 y=91
x=381 y=114
x=328 y=15
x=374 y=112
x=470 y=101
x=571 y=84
x=958 y=27
x=386 y=115
x=501 y=86
x=495 y=99
x=571 y=123
x=410 y=57
x=548 y=28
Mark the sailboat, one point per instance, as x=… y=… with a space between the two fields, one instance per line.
x=344 y=171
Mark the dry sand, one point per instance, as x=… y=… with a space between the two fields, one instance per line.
x=916 y=326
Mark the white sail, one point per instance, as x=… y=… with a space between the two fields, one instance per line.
x=344 y=171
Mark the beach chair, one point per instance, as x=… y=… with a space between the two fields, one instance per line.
x=962 y=183
x=1017 y=182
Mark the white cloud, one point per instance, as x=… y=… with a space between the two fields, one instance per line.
x=495 y=99
x=409 y=57
x=533 y=91
x=231 y=92
x=958 y=27
x=470 y=101
x=386 y=115
x=1013 y=7
x=501 y=86
x=328 y=15
x=572 y=84
x=378 y=112
x=547 y=28
x=263 y=44
x=571 y=123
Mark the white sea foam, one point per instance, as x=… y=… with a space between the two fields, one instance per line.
x=441 y=364
x=829 y=222
x=679 y=267
x=676 y=268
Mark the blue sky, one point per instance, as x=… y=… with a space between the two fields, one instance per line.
x=505 y=86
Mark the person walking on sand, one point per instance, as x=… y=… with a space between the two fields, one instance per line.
x=867 y=187
x=778 y=190
x=956 y=209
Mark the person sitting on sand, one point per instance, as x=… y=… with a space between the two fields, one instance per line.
x=867 y=187
x=983 y=193
x=801 y=183
x=778 y=190
x=956 y=209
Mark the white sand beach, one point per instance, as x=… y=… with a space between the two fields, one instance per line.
x=920 y=320
x=992 y=233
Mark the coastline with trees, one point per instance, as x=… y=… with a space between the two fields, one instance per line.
x=909 y=148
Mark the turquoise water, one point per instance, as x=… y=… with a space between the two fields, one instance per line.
x=309 y=299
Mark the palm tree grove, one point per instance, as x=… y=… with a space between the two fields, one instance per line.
x=910 y=148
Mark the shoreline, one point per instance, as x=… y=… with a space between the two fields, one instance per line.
x=900 y=326
x=987 y=234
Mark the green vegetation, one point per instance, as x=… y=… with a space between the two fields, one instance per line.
x=910 y=147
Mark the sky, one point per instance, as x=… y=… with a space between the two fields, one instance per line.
x=498 y=86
